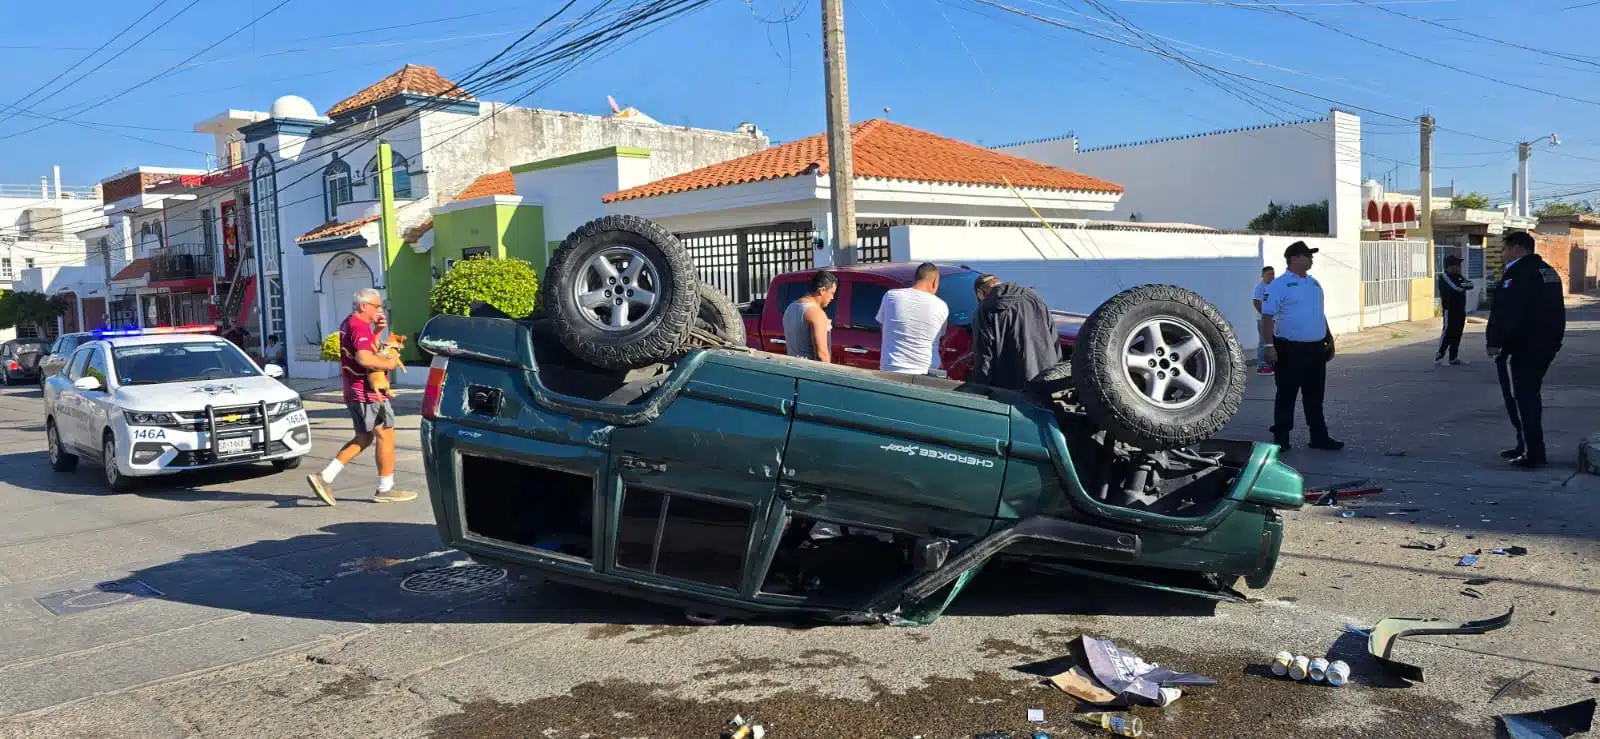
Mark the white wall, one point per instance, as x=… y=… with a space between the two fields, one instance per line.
x=1077 y=270
x=1222 y=179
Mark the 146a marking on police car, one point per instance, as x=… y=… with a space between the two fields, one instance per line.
x=297 y=418
x=149 y=434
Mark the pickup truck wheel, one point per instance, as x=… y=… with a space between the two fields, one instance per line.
x=1158 y=367
x=1052 y=381
x=624 y=291
x=719 y=316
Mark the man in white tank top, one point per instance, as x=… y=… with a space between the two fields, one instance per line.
x=913 y=321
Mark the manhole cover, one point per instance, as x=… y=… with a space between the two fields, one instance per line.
x=452 y=579
x=115 y=592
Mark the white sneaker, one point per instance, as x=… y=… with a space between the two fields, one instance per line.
x=1459 y=361
x=1438 y=362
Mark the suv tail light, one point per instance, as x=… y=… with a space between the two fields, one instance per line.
x=15 y=367
x=434 y=392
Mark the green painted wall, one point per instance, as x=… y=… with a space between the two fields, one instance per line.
x=506 y=230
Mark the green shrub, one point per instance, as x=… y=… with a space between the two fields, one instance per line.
x=509 y=285
x=330 y=347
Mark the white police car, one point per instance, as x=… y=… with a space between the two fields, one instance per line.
x=161 y=401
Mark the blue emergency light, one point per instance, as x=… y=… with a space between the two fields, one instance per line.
x=108 y=333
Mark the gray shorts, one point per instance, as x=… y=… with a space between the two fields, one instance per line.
x=370 y=416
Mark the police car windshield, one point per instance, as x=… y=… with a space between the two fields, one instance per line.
x=154 y=364
x=956 y=291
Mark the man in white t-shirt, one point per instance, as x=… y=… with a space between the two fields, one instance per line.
x=1262 y=339
x=913 y=320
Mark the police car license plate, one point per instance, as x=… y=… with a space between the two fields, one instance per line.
x=236 y=445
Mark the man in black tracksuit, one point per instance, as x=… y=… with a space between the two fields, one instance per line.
x=1526 y=325
x=1013 y=335
x=1452 y=289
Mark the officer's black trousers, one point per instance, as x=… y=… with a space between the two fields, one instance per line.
x=1455 y=321
x=1302 y=369
x=1521 y=379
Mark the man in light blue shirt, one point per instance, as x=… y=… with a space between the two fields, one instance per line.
x=1302 y=345
x=1263 y=339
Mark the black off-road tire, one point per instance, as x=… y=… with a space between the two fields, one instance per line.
x=660 y=332
x=718 y=315
x=1107 y=391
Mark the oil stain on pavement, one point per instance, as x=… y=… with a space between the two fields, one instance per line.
x=1248 y=700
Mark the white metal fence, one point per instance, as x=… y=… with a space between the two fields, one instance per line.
x=1387 y=269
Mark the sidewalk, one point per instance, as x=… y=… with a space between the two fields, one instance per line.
x=406 y=399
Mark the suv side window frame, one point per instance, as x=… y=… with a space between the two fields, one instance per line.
x=871 y=322
x=99 y=356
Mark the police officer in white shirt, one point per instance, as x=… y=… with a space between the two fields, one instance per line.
x=1302 y=345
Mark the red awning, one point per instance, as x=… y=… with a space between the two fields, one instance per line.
x=228 y=177
x=193 y=284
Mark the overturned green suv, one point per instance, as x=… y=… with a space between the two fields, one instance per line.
x=624 y=439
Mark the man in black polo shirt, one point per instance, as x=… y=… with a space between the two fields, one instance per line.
x=1452 y=288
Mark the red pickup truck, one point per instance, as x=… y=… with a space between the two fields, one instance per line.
x=854 y=311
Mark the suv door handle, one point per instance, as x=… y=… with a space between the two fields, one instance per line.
x=643 y=465
x=798 y=497
x=855 y=350
x=777 y=341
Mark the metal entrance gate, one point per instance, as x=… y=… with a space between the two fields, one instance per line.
x=1387 y=268
x=741 y=262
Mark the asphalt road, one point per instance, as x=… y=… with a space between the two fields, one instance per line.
x=253 y=610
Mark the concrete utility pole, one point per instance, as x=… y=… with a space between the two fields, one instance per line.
x=841 y=168
x=1427 y=185
x=1524 y=149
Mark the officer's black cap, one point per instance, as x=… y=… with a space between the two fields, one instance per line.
x=1299 y=248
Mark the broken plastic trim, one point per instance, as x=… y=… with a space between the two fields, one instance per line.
x=1380 y=642
x=1068 y=536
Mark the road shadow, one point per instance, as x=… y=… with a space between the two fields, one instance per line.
x=384 y=572
x=32 y=471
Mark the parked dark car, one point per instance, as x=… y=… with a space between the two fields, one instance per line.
x=19 y=359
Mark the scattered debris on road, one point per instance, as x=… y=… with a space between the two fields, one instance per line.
x=1509 y=685
x=1117 y=723
x=1126 y=675
x=1511 y=551
x=1467 y=560
x=1472 y=593
x=1431 y=546
x=1326 y=495
x=1380 y=643
x=1573 y=718
x=741 y=728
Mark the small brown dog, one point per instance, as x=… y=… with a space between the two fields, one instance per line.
x=378 y=382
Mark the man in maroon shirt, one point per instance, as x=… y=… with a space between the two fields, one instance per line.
x=370 y=410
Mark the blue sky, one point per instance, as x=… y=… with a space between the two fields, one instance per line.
x=956 y=67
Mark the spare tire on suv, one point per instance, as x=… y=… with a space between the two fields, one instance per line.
x=1158 y=367
x=621 y=292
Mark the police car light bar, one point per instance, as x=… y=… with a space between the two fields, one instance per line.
x=105 y=333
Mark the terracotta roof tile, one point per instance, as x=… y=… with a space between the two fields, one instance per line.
x=414 y=78
x=135 y=269
x=883 y=150
x=494 y=183
x=334 y=228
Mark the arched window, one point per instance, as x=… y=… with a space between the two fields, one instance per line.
x=336 y=186
x=264 y=198
x=402 y=176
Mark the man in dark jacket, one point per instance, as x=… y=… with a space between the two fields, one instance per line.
x=1452 y=288
x=1526 y=326
x=1013 y=335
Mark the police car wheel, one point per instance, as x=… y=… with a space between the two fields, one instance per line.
x=622 y=292
x=115 y=480
x=1158 y=367
x=60 y=460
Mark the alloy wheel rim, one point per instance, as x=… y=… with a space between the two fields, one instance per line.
x=1168 y=362
x=110 y=462
x=54 y=444
x=616 y=289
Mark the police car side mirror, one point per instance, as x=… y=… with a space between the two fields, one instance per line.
x=273 y=371
x=87 y=383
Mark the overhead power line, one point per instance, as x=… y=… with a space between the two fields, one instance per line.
x=125 y=29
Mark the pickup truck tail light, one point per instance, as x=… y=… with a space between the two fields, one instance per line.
x=15 y=367
x=434 y=392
